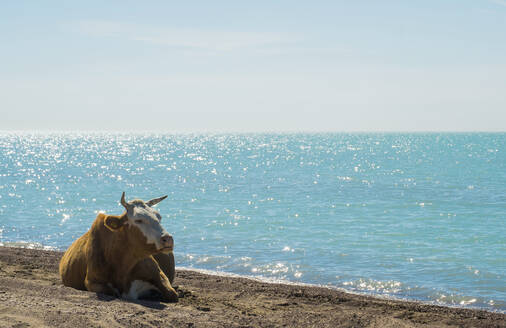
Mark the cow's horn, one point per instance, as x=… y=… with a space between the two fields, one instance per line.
x=155 y=200
x=123 y=202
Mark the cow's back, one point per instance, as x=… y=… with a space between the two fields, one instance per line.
x=73 y=264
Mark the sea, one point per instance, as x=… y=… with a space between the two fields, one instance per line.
x=412 y=216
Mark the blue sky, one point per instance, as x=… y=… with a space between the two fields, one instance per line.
x=251 y=66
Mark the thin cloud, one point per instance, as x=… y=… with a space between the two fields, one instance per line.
x=215 y=40
x=499 y=2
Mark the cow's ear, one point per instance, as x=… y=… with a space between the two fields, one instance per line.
x=113 y=222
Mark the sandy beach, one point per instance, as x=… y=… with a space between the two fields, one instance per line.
x=32 y=295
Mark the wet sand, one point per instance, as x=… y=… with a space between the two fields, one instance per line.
x=32 y=295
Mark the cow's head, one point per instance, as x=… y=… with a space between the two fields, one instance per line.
x=143 y=224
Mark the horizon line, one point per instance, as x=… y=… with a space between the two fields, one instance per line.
x=197 y=132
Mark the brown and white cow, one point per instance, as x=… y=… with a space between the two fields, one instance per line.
x=129 y=255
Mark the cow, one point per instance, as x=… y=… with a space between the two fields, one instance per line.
x=128 y=255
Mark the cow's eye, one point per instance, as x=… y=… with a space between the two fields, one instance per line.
x=139 y=221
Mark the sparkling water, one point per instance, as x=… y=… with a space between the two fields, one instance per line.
x=412 y=216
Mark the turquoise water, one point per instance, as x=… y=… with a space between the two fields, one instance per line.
x=416 y=216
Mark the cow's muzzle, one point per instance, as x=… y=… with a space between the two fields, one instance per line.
x=167 y=242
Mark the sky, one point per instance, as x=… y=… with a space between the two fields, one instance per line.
x=253 y=66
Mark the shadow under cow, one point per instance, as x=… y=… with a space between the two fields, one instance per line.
x=152 y=302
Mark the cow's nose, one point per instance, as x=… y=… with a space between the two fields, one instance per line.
x=167 y=241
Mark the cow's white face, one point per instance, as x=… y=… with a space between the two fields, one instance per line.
x=144 y=217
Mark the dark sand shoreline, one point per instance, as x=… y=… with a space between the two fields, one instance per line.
x=31 y=295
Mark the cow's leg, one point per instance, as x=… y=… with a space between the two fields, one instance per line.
x=167 y=264
x=149 y=271
x=100 y=287
x=163 y=284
